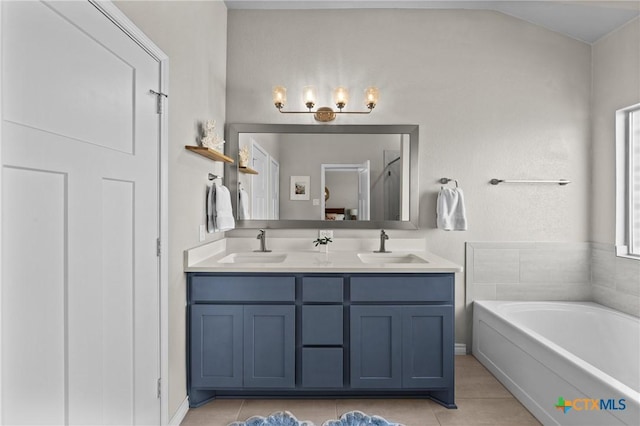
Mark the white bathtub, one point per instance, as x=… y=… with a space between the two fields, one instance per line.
x=583 y=352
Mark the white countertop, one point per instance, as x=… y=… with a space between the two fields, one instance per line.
x=297 y=259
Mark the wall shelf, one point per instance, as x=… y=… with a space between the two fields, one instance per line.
x=247 y=170
x=210 y=153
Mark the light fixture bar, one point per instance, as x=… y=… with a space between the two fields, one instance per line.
x=325 y=114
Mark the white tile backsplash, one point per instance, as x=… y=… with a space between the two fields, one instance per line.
x=552 y=271
x=555 y=265
x=528 y=271
x=496 y=266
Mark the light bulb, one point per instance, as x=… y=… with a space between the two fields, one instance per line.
x=371 y=97
x=279 y=96
x=341 y=96
x=309 y=96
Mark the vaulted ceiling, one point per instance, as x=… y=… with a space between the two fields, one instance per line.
x=583 y=20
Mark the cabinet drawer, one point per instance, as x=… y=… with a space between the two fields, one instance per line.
x=243 y=289
x=322 y=325
x=322 y=368
x=403 y=288
x=322 y=289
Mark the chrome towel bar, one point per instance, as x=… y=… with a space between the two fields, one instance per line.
x=495 y=181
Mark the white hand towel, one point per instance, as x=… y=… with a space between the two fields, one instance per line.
x=243 y=208
x=450 y=210
x=210 y=208
x=224 y=213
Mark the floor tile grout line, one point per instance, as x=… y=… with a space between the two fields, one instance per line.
x=240 y=410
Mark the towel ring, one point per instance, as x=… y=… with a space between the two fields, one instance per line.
x=447 y=180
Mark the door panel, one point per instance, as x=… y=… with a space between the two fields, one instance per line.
x=274 y=189
x=216 y=346
x=56 y=103
x=376 y=347
x=78 y=118
x=427 y=346
x=269 y=346
x=33 y=301
x=259 y=182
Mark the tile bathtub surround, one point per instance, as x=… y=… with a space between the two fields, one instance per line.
x=615 y=280
x=528 y=271
x=552 y=271
x=481 y=400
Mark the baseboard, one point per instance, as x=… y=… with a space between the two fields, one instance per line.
x=460 y=349
x=180 y=413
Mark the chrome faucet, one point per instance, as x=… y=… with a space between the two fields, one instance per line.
x=263 y=242
x=383 y=238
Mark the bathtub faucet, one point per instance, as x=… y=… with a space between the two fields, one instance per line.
x=263 y=241
x=383 y=238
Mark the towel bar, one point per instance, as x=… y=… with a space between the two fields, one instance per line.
x=495 y=181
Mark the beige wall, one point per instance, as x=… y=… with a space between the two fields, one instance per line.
x=494 y=97
x=616 y=84
x=194 y=36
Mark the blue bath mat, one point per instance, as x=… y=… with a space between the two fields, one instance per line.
x=281 y=418
x=358 y=418
x=285 y=418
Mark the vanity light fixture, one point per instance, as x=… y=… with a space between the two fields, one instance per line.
x=325 y=114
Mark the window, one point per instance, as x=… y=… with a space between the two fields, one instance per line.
x=628 y=181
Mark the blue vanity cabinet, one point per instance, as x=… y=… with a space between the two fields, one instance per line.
x=320 y=335
x=402 y=332
x=241 y=334
x=401 y=347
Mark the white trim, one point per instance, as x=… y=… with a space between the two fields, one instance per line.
x=622 y=212
x=180 y=413
x=623 y=251
x=128 y=27
x=121 y=20
x=1 y=209
x=460 y=349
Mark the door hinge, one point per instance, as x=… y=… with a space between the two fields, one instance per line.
x=159 y=388
x=159 y=96
x=158 y=247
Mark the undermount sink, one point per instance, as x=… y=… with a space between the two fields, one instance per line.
x=257 y=257
x=382 y=258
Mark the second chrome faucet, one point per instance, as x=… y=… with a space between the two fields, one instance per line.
x=262 y=236
x=383 y=237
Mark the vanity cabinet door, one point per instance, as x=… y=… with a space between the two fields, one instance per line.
x=269 y=346
x=216 y=346
x=408 y=347
x=376 y=347
x=427 y=346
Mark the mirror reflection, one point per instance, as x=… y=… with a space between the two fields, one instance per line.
x=342 y=176
x=319 y=177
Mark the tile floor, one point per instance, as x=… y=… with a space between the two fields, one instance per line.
x=481 y=400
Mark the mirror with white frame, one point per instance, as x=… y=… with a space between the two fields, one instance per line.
x=315 y=176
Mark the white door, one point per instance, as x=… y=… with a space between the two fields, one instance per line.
x=391 y=190
x=80 y=219
x=274 y=189
x=364 y=191
x=259 y=182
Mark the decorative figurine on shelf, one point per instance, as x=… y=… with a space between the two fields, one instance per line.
x=243 y=155
x=211 y=139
